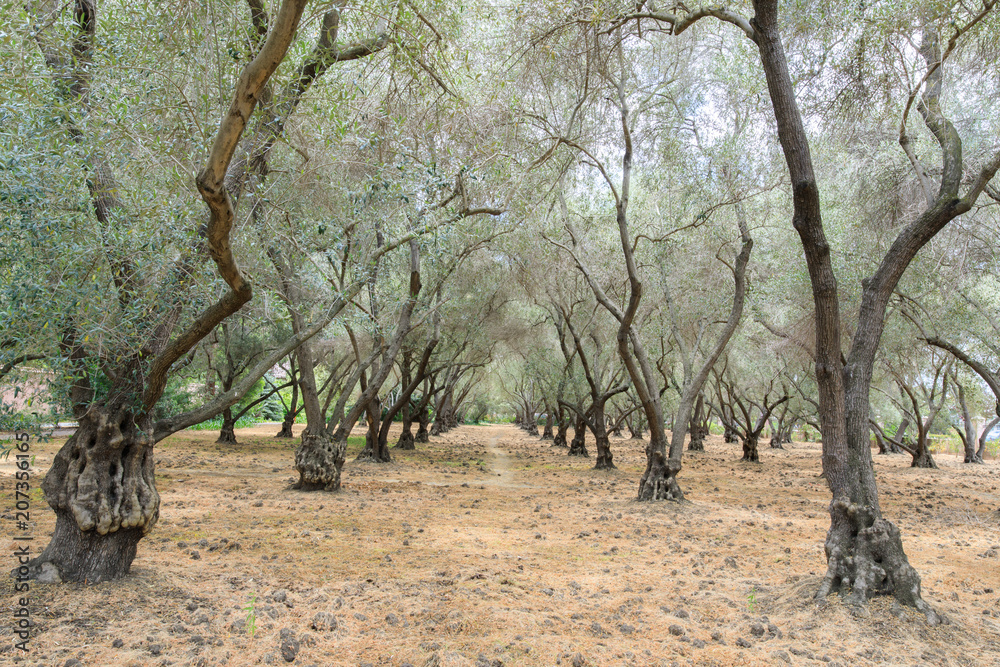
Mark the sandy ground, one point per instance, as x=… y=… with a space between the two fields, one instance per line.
x=488 y=547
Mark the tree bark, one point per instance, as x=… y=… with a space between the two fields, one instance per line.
x=286 y=425
x=376 y=449
x=865 y=554
x=101 y=484
x=981 y=452
x=103 y=491
x=292 y=409
x=423 y=421
x=578 y=446
x=319 y=461
x=698 y=427
x=547 y=431
x=562 y=428
x=406 y=439
x=750 y=453
x=635 y=429
x=227 y=434
x=605 y=459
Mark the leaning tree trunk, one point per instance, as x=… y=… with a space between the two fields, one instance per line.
x=635 y=429
x=102 y=489
x=578 y=446
x=227 y=434
x=981 y=452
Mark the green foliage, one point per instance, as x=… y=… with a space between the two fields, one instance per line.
x=251 y=617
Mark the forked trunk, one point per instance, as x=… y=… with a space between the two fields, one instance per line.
x=971 y=455
x=981 y=452
x=102 y=488
x=864 y=552
x=319 y=461
x=659 y=480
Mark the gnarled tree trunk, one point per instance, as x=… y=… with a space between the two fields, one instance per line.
x=423 y=420
x=406 y=441
x=547 y=431
x=605 y=459
x=286 y=426
x=103 y=491
x=319 y=461
x=578 y=446
x=227 y=434
x=562 y=428
x=698 y=427
x=376 y=448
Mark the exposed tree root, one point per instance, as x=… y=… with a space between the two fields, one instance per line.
x=865 y=558
x=659 y=482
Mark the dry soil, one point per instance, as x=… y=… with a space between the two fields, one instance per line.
x=489 y=547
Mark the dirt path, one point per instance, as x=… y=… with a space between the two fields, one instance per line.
x=501 y=462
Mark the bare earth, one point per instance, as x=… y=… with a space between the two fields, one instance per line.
x=488 y=547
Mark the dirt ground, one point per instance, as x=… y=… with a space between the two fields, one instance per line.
x=489 y=547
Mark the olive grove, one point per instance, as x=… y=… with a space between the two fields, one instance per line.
x=762 y=218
